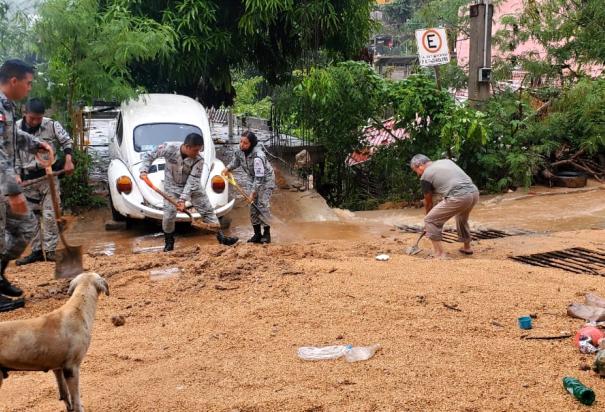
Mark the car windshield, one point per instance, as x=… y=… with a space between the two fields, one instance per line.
x=149 y=136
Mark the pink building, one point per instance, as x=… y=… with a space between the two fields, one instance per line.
x=529 y=48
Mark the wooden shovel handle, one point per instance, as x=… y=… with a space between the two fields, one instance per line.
x=164 y=195
x=48 y=168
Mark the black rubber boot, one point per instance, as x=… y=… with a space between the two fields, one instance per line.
x=51 y=256
x=5 y=286
x=36 y=256
x=257 y=235
x=226 y=240
x=266 y=237
x=168 y=242
x=11 y=304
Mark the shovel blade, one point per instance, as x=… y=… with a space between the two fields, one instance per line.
x=68 y=262
x=198 y=224
x=412 y=250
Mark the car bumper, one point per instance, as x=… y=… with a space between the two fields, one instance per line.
x=141 y=211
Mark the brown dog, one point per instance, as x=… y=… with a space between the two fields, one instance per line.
x=57 y=341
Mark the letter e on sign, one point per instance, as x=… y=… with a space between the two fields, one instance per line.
x=432 y=47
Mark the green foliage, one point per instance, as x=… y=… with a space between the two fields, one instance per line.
x=15 y=33
x=508 y=159
x=400 y=11
x=89 y=48
x=274 y=36
x=249 y=101
x=335 y=104
x=577 y=119
x=453 y=76
x=76 y=193
x=571 y=32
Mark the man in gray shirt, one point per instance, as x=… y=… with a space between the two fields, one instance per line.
x=460 y=195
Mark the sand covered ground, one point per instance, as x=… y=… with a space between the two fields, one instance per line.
x=223 y=335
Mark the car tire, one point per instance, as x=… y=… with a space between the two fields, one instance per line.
x=115 y=215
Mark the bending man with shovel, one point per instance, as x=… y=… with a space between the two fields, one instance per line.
x=261 y=178
x=459 y=193
x=183 y=182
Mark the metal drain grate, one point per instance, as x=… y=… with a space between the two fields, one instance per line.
x=451 y=235
x=576 y=260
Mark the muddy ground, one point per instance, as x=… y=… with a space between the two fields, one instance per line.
x=223 y=335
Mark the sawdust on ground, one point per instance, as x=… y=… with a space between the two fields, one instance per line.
x=223 y=335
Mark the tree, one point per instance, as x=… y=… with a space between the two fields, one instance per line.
x=88 y=49
x=572 y=32
x=15 y=33
x=334 y=103
x=400 y=11
x=273 y=36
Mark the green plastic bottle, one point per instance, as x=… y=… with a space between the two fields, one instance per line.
x=582 y=393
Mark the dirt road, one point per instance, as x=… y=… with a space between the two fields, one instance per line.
x=223 y=335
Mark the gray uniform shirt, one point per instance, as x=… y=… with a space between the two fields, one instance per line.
x=52 y=133
x=257 y=167
x=181 y=174
x=13 y=140
x=447 y=179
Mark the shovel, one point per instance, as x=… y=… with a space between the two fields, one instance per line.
x=267 y=220
x=194 y=222
x=68 y=261
x=414 y=250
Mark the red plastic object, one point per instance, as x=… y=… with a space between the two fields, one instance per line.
x=595 y=335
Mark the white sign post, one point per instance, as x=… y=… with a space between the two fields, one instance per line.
x=432 y=47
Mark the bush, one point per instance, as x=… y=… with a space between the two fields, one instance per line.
x=76 y=193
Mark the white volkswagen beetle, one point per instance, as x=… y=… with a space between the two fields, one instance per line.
x=142 y=125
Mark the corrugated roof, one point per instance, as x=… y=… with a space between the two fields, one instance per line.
x=374 y=138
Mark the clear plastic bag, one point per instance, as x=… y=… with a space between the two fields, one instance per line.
x=351 y=353
x=325 y=353
x=361 y=353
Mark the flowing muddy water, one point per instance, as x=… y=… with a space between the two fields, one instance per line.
x=299 y=215
x=306 y=216
x=539 y=210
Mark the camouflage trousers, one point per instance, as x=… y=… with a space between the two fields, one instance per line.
x=200 y=202
x=17 y=231
x=40 y=201
x=263 y=203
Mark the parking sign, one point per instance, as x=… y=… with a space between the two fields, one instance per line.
x=432 y=47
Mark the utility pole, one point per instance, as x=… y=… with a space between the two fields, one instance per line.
x=480 y=53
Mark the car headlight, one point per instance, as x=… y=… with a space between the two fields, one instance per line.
x=124 y=184
x=218 y=184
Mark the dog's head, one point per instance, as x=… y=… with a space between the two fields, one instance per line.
x=92 y=278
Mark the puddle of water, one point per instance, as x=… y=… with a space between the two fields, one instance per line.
x=103 y=249
x=165 y=273
x=150 y=249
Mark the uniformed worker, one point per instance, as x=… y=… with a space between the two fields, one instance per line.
x=16 y=220
x=182 y=181
x=261 y=182
x=38 y=195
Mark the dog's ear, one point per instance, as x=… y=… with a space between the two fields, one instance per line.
x=102 y=285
